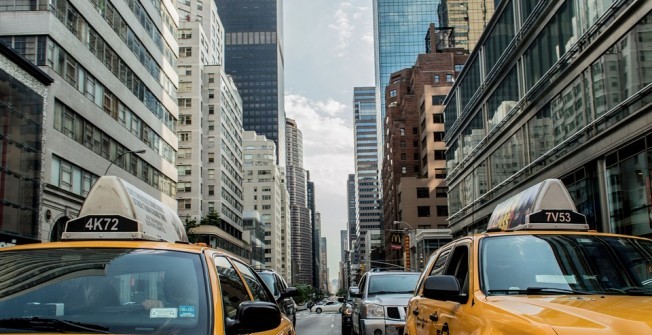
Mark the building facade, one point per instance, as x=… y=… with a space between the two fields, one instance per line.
x=254 y=58
x=23 y=98
x=368 y=201
x=265 y=192
x=399 y=28
x=112 y=108
x=300 y=214
x=563 y=92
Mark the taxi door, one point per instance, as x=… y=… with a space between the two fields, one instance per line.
x=418 y=315
x=449 y=317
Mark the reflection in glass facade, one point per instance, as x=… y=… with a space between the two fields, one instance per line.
x=399 y=31
x=560 y=113
x=21 y=149
x=254 y=59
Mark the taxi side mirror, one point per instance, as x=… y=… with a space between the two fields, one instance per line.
x=289 y=292
x=254 y=317
x=355 y=292
x=444 y=288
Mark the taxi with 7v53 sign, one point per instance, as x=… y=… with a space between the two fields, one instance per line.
x=538 y=269
x=125 y=266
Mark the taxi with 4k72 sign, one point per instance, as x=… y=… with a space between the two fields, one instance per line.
x=125 y=266
x=538 y=269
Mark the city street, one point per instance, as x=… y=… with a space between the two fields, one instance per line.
x=318 y=324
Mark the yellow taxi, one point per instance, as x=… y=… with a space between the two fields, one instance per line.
x=125 y=266
x=538 y=269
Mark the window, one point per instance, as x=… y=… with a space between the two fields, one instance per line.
x=402 y=131
x=392 y=93
x=440 y=192
x=438 y=136
x=211 y=157
x=233 y=289
x=403 y=170
x=185 y=34
x=184 y=170
x=459 y=67
x=211 y=109
x=440 y=173
x=449 y=78
x=184 y=136
x=211 y=189
x=442 y=210
x=438 y=118
x=423 y=211
x=211 y=94
x=438 y=100
x=403 y=156
x=185 y=51
x=184 y=102
x=423 y=192
x=440 y=154
x=436 y=78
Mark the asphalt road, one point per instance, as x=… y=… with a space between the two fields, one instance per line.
x=318 y=324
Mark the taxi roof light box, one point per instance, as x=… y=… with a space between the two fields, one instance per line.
x=116 y=209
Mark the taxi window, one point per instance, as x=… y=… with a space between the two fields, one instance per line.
x=587 y=263
x=256 y=287
x=111 y=290
x=438 y=268
x=233 y=289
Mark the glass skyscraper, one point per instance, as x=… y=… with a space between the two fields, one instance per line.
x=254 y=58
x=368 y=201
x=400 y=28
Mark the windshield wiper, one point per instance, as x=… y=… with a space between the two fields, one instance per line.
x=36 y=323
x=630 y=290
x=538 y=290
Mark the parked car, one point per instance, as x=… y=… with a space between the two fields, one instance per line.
x=330 y=306
x=380 y=300
x=282 y=293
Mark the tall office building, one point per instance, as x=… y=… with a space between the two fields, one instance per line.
x=300 y=214
x=399 y=28
x=350 y=200
x=368 y=201
x=254 y=58
x=265 y=192
x=112 y=108
x=209 y=131
x=556 y=89
x=316 y=231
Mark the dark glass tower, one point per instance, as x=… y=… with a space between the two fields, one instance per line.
x=254 y=58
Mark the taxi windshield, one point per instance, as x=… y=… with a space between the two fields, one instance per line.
x=559 y=264
x=127 y=291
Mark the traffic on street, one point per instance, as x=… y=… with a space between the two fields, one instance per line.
x=312 y=323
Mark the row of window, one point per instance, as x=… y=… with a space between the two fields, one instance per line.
x=84 y=132
x=424 y=211
x=98 y=46
x=599 y=89
x=151 y=28
x=77 y=76
x=79 y=27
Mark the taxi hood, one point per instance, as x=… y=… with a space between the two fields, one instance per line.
x=590 y=314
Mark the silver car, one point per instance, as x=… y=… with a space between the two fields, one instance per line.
x=380 y=301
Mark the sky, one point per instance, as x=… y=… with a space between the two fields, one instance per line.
x=329 y=50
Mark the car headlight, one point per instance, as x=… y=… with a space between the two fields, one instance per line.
x=373 y=311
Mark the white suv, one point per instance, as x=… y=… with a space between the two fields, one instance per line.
x=380 y=301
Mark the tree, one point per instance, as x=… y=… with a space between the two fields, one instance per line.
x=341 y=292
x=305 y=293
x=211 y=219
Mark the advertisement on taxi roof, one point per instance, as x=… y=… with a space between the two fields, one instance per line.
x=514 y=211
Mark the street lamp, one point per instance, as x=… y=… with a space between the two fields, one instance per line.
x=140 y=151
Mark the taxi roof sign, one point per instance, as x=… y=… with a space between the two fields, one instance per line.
x=546 y=205
x=117 y=210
